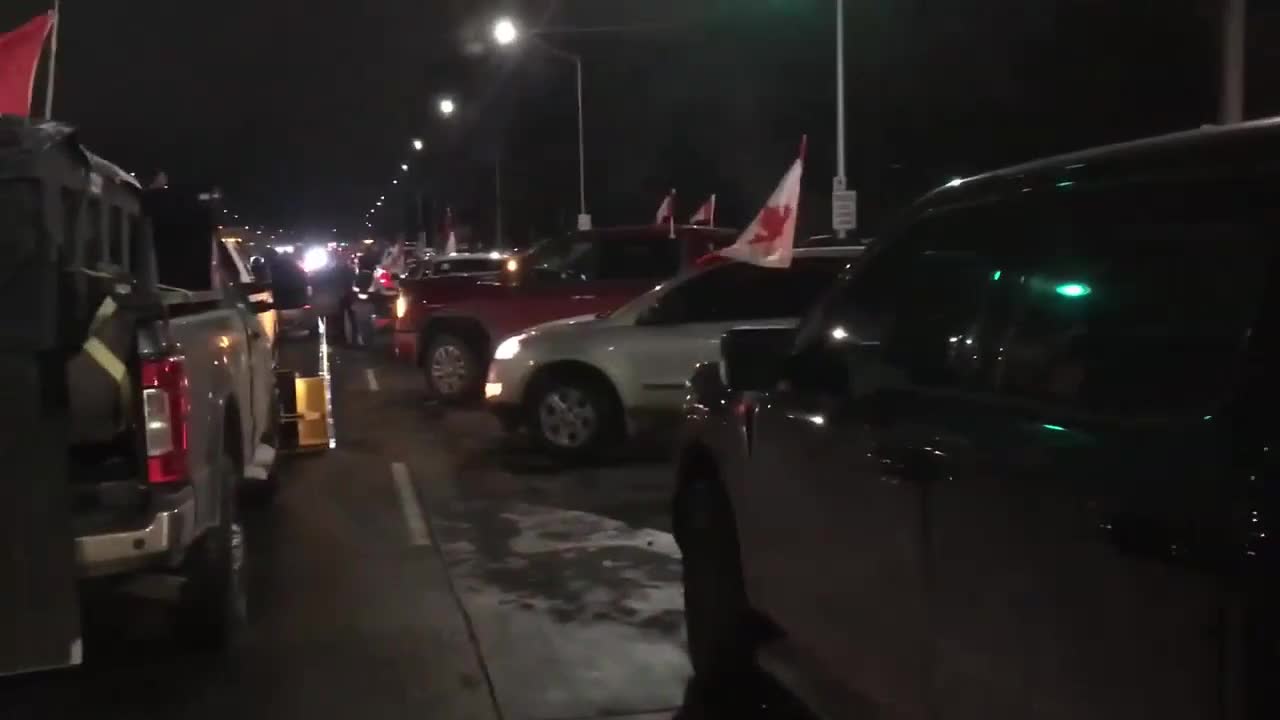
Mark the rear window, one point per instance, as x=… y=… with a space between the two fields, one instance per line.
x=640 y=257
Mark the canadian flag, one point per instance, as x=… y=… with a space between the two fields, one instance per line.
x=666 y=211
x=706 y=215
x=19 y=54
x=770 y=239
x=451 y=240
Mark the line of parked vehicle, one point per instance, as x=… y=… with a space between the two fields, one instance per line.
x=1016 y=461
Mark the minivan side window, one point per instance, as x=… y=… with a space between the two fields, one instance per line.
x=915 y=304
x=1140 y=302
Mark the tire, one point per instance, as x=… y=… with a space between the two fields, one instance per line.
x=212 y=605
x=452 y=369
x=573 y=418
x=724 y=632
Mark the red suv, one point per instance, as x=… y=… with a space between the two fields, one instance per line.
x=450 y=326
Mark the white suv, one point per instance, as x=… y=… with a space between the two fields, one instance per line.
x=579 y=383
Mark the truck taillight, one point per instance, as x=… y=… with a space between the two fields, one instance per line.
x=384 y=278
x=165 y=406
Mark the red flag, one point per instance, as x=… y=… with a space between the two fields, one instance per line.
x=770 y=239
x=706 y=215
x=19 y=54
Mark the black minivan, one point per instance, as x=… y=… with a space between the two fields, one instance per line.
x=1021 y=462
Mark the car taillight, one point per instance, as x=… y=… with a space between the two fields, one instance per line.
x=165 y=405
x=383 y=278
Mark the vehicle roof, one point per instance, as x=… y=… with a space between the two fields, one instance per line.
x=1208 y=152
x=833 y=251
x=495 y=256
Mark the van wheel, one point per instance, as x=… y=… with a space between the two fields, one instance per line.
x=213 y=605
x=724 y=633
x=452 y=369
x=572 y=418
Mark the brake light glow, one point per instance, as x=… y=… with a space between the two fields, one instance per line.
x=166 y=406
x=383 y=278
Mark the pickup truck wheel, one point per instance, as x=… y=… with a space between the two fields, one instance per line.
x=452 y=369
x=723 y=631
x=212 y=607
x=570 y=417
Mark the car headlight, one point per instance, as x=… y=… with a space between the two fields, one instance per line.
x=402 y=306
x=508 y=348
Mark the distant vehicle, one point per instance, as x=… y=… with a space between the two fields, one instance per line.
x=140 y=383
x=578 y=384
x=450 y=325
x=1020 y=462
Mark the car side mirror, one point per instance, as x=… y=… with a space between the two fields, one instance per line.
x=820 y=368
x=753 y=358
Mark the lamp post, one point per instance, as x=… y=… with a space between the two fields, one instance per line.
x=506 y=32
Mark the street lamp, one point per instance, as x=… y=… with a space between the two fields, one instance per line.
x=404 y=167
x=447 y=106
x=417 y=144
x=505 y=32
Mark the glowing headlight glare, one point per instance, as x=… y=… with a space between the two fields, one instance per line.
x=316 y=258
x=402 y=306
x=508 y=348
x=513 y=265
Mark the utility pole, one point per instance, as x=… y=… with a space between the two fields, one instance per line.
x=1234 y=24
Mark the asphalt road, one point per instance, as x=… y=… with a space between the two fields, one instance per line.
x=425 y=567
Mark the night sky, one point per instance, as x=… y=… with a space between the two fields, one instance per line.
x=302 y=110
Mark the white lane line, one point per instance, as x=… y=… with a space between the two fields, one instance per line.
x=373 y=379
x=413 y=517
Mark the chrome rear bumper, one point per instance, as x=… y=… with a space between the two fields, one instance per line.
x=162 y=541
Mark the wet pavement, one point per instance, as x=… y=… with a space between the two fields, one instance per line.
x=426 y=567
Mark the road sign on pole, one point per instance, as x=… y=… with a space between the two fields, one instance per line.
x=844 y=211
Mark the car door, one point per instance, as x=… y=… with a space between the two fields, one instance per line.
x=1078 y=556
x=840 y=545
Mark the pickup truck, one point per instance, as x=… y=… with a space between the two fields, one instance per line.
x=450 y=325
x=139 y=396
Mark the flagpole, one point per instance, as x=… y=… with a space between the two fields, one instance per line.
x=53 y=59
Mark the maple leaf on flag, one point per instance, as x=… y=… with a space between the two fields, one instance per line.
x=770 y=239
x=771 y=224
